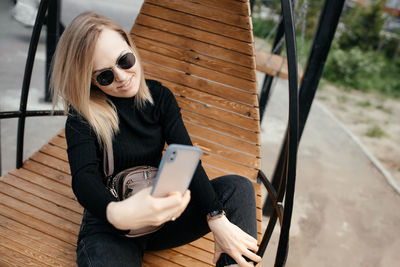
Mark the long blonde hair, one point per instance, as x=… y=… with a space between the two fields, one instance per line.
x=72 y=68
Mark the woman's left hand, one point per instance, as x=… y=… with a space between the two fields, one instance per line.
x=233 y=241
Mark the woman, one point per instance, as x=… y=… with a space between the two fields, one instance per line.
x=98 y=74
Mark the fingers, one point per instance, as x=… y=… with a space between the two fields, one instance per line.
x=251 y=244
x=171 y=207
x=251 y=255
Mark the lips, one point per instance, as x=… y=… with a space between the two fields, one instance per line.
x=127 y=85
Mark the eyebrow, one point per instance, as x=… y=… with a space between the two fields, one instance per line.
x=119 y=56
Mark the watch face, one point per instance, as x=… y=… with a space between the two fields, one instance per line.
x=216 y=213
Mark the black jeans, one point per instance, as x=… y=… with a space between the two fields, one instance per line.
x=108 y=249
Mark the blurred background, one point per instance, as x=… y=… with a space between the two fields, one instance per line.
x=346 y=202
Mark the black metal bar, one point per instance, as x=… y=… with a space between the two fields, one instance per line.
x=290 y=36
x=30 y=113
x=27 y=78
x=323 y=38
x=53 y=34
x=276 y=213
x=10 y=114
x=327 y=25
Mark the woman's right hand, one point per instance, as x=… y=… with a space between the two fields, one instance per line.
x=142 y=209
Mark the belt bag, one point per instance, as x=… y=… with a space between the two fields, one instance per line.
x=127 y=183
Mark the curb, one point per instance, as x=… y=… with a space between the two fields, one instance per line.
x=370 y=156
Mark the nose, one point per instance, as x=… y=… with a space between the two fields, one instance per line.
x=121 y=75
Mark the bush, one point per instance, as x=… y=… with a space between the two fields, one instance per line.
x=262 y=27
x=351 y=68
x=363 y=71
x=363 y=26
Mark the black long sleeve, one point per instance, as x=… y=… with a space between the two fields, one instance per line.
x=140 y=141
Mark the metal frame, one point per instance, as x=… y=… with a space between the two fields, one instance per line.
x=300 y=103
x=285 y=173
x=22 y=113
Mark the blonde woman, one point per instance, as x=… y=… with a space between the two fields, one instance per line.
x=98 y=74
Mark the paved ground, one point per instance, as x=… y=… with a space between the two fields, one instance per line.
x=345 y=213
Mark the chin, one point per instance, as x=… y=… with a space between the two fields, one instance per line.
x=133 y=91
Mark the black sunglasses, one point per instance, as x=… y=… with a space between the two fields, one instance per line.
x=106 y=77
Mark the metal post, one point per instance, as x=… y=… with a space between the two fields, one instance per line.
x=27 y=78
x=292 y=134
x=53 y=34
x=325 y=33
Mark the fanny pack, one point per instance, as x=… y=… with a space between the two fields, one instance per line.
x=127 y=183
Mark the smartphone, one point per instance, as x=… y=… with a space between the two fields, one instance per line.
x=176 y=169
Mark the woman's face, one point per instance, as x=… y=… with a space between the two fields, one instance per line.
x=109 y=48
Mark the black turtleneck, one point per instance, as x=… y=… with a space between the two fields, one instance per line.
x=140 y=141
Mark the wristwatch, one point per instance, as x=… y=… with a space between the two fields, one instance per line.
x=215 y=214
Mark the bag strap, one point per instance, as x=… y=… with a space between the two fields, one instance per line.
x=108 y=162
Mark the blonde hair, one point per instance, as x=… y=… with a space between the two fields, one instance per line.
x=71 y=77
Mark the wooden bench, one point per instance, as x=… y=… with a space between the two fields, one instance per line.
x=274 y=65
x=203 y=51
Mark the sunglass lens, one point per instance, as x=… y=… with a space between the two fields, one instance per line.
x=127 y=61
x=105 y=77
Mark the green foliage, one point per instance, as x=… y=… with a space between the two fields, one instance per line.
x=349 y=68
x=376 y=132
x=262 y=27
x=362 y=26
x=364 y=71
x=364 y=104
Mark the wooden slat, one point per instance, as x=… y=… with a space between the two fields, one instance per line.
x=140 y=31
x=259 y=213
x=211 y=100
x=59 y=141
x=199 y=71
x=153 y=260
x=274 y=65
x=56 y=175
x=198 y=254
x=192 y=7
x=39 y=214
x=51 y=162
x=61 y=248
x=213 y=172
x=50 y=196
x=218 y=114
x=43 y=226
x=32 y=249
x=197 y=22
x=179 y=258
x=227 y=129
x=44 y=182
x=226 y=165
x=204 y=244
x=257 y=189
x=185 y=55
x=14 y=258
x=61 y=133
x=239 y=7
x=55 y=152
x=202 y=85
x=207 y=37
x=41 y=198
x=227 y=153
x=224 y=140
